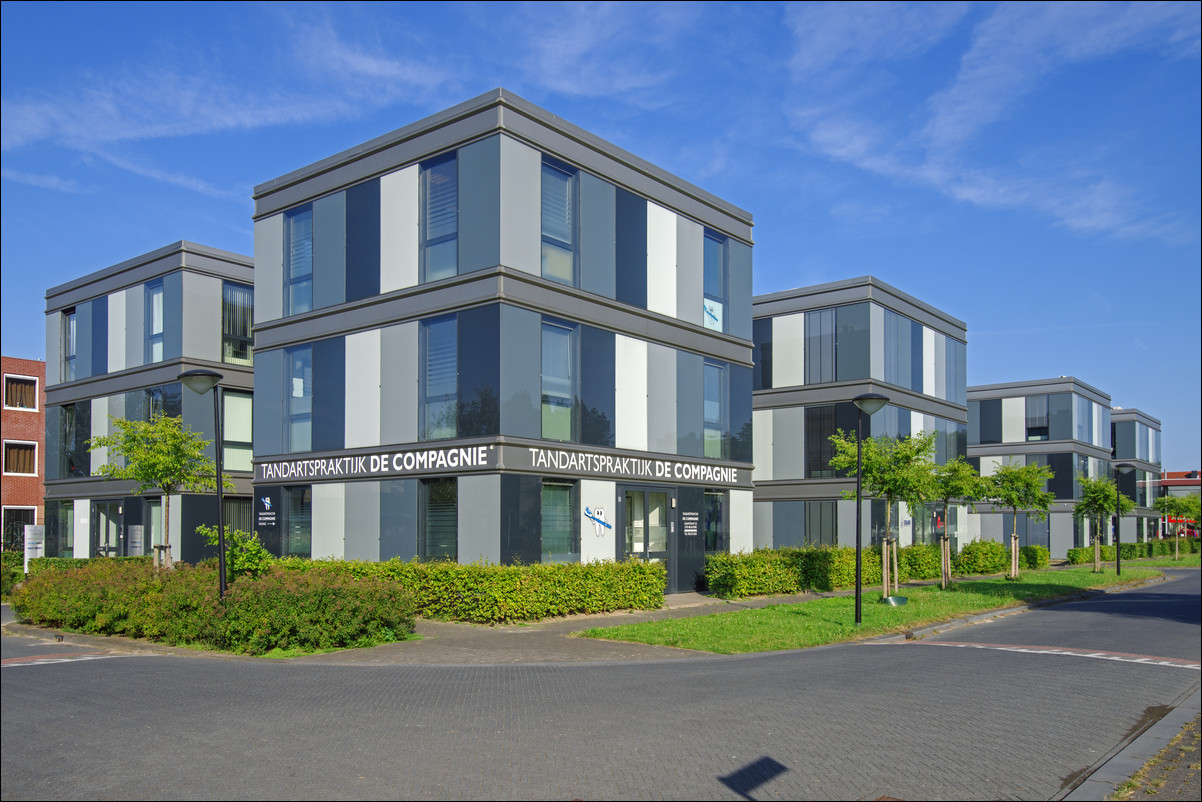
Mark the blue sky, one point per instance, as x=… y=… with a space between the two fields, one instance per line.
x=1030 y=169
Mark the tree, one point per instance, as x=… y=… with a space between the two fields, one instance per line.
x=1019 y=488
x=160 y=454
x=1097 y=502
x=893 y=470
x=955 y=480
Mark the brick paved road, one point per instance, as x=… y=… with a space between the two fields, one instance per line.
x=908 y=720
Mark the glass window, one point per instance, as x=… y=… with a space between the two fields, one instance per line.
x=853 y=344
x=559 y=380
x=761 y=334
x=20 y=458
x=560 y=523
x=237 y=309
x=299 y=395
x=440 y=379
x=238 y=513
x=440 y=524
x=1060 y=416
x=69 y=346
x=820 y=346
x=714 y=406
x=236 y=432
x=59 y=517
x=20 y=392
x=1037 y=417
x=440 y=218
x=820 y=523
x=717 y=540
x=298 y=273
x=154 y=322
x=298 y=528
x=714 y=311
x=559 y=225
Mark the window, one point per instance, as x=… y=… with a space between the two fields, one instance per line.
x=440 y=218
x=298 y=252
x=558 y=381
x=714 y=408
x=299 y=398
x=820 y=346
x=69 y=346
x=298 y=525
x=714 y=305
x=237 y=308
x=820 y=523
x=559 y=225
x=238 y=513
x=716 y=534
x=560 y=523
x=440 y=520
x=165 y=400
x=15 y=521
x=440 y=379
x=20 y=458
x=1037 y=418
x=236 y=432
x=21 y=392
x=154 y=322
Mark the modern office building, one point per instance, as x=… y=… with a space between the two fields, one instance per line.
x=816 y=349
x=23 y=427
x=116 y=342
x=1135 y=438
x=492 y=335
x=1062 y=423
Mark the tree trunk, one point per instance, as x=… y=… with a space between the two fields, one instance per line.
x=1097 y=550
x=896 y=572
x=945 y=557
x=167 y=532
x=885 y=584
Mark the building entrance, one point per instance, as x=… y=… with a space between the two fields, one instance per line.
x=648 y=527
x=106 y=529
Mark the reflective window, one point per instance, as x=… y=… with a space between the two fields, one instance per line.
x=853 y=344
x=717 y=534
x=440 y=379
x=560 y=523
x=154 y=322
x=558 y=381
x=236 y=432
x=298 y=522
x=440 y=520
x=1037 y=417
x=559 y=224
x=714 y=410
x=299 y=398
x=820 y=346
x=715 y=257
x=298 y=253
x=440 y=218
x=237 y=310
x=69 y=346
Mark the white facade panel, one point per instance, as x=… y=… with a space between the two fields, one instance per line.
x=399 y=229
x=362 y=383
x=940 y=367
x=928 y=362
x=116 y=331
x=761 y=445
x=742 y=523
x=876 y=334
x=661 y=260
x=630 y=396
x=788 y=350
x=100 y=428
x=269 y=268
x=328 y=520
x=598 y=507
x=82 y=510
x=1014 y=420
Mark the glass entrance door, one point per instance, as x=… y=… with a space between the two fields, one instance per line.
x=646 y=526
x=106 y=528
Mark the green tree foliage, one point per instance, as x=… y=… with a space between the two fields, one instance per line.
x=955 y=480
x=1020 y=488
x=1097 y=502
x=160 y=454
x=245 y=554
x=892 y=470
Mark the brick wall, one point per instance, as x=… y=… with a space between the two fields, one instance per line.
x=25 y=425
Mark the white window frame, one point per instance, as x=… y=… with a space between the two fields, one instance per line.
x=36 y=457
x=37 y=392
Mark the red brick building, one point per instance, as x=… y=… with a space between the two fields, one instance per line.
x=23 y=429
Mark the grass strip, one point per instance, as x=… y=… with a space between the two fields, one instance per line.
x=831 y=620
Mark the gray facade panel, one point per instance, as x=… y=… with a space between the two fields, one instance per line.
x=269 y=268
x=362 y=530
x=597 y=236
x=398 y=518
x=661 y=398
x=197 y=411
x=480 y=205
x=690 y=271
x=479 y=509
x=740 y=290
x=521 y=377
x=398 y=383
x=329 y=250
x=83 y=341
x=173 y=316
x=520 y=217
x=690 y=400
x=201 y=324
x=54 y=348
x=135 y=326
x=788 y=453
x=269 y=402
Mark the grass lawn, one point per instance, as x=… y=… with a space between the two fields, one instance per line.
x=831 y=620
x=1186 y=561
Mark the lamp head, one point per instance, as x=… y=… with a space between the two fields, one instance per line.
x=1124 y=467
x=871 y=403
x=200 y=380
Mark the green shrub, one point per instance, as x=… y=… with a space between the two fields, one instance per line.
x=981 y=557
x=786 y=571
x=1033 y=558
x=918 y=562
x=245 y=554
x=68 y=563
x=12 y=570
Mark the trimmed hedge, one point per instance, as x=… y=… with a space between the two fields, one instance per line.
x=496 y=594
x=981 y=557
x=68 y=563
x=785 y=571
x=318 y=609
x=1135 y=551
x=1034 y=558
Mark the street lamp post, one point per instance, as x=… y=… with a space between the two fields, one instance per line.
x=201 y=381
x=870 y=403
x=1123 y=468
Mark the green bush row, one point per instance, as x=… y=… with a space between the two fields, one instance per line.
x=1135 y=551
x=323 y=608
x=67 y=563
x=777 y=572
x=12 y=569
x=494 y=594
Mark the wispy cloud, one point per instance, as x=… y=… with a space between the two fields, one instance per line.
x=1011 y=50
x=52 y=182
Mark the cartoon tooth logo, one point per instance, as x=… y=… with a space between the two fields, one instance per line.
x=597 y=516
x=266 y=502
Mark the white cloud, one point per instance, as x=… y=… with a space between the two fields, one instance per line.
x=51 y=182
